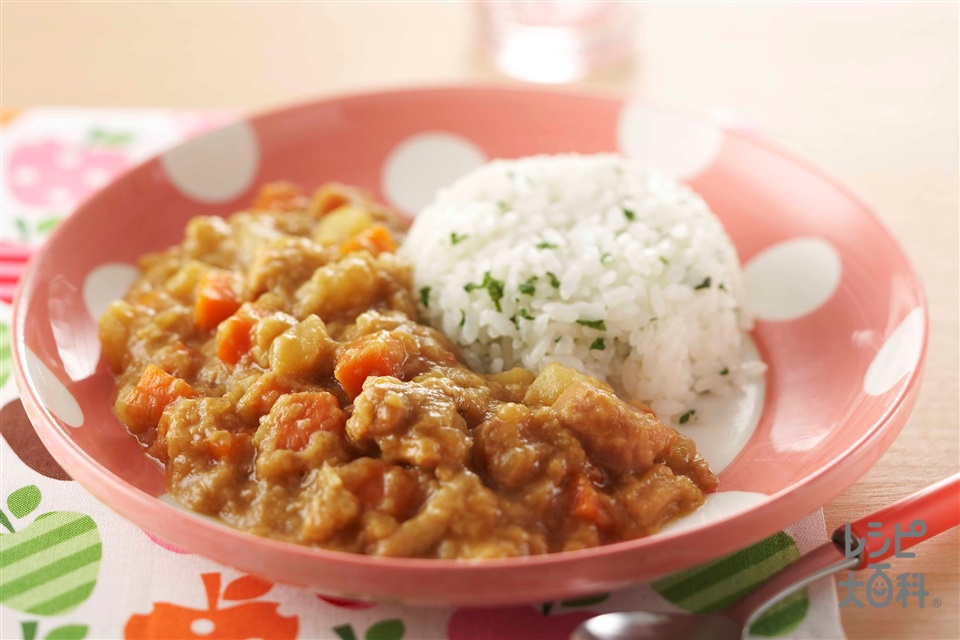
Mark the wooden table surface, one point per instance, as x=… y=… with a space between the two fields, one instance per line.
x=868 y=91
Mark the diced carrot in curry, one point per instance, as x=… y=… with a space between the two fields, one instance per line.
x=368 y=356
x=333 y=195
x=308 y=412
x=376 y=239
x=281 y=196
x=587 y=504
x=218 y=298
x=233 y=338
x=153 y=392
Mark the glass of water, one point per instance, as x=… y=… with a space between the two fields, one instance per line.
x=556 y=41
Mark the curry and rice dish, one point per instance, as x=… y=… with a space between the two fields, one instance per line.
x=276 y=365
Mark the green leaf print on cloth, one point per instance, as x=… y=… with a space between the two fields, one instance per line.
x=24 y=500
x=720 y=583
x=48 y=567
x=32 y=231
x=28 y=631
x=105 y=138
x=68 y=632
x=391 y=629
x=6 y=360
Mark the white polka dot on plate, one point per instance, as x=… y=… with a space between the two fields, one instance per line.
x=898 y=356
x=679 y=147
x=216 y=167
x=792 y=279
x=422 y=164
x=53 y=394
x=105 y=284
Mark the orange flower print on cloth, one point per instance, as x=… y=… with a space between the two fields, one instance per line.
x=258 y=619
x=8 y=115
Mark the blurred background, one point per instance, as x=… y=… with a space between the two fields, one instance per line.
x=868 y=91
x=860 y=86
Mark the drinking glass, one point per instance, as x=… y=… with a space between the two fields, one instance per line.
x=556 y=41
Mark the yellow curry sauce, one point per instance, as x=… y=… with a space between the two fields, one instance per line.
x=274 y=364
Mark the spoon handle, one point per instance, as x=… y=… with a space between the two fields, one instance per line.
x=903 y=524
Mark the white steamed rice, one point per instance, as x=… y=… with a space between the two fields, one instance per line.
x=595 y=262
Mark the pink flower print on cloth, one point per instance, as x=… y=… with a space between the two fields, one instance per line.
x=53 y=173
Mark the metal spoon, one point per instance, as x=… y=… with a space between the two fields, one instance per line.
x=937 y=507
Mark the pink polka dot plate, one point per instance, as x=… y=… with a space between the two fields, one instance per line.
x=841 y=320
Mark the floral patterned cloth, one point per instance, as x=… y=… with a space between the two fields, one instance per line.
x=70 y=568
